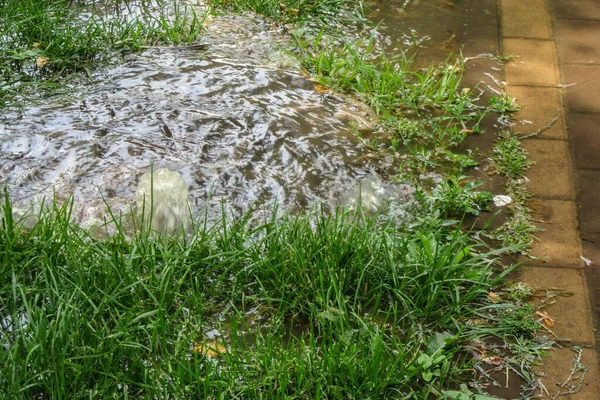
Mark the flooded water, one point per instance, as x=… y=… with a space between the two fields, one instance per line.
x=235 y=117
x=232 y=120
x=425 y=27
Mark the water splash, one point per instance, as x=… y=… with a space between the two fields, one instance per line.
x=162 y=202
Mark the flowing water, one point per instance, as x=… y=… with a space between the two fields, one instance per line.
x=236 y=117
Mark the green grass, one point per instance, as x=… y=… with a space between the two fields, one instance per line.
x=426 y=116
x=311 y=306
x=425 y=113
x=42 y=41
x=333 y=14
x=304 y=306
x=509 y=159
x=391 y=86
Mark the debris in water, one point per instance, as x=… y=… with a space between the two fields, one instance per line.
x=587 y=261
x=501 y=200
x=358 y=113
x=448 y=42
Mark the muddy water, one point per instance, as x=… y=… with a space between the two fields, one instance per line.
x=235 y=117
x=428 y=28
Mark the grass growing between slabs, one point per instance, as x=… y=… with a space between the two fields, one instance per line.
x=42 y=41
x=509 y=159
x=311 y=306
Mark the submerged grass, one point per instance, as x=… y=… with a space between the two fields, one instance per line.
x=333 y=14
x=425 y=113
x=312 y=306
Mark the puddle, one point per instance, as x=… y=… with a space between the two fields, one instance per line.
x=429 y=28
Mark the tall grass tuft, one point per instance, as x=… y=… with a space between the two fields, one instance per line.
x=306 y=306
x=41 y=40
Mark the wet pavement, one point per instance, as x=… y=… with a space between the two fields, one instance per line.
x=556 y=76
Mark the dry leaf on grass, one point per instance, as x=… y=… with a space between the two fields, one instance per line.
x=211 y=349
x=493 y=296
x=478 y=350
x=494 y=360
x=42 y=61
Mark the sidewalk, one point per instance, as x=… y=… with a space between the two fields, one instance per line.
x=556 y=74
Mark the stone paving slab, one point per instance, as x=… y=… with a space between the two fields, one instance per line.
x=585 y=135
x=588 y=196
x=582 y=83
x=539 y=106
x=561 y=361
x=578 y=42
x=535 y=63
x=558 y=242
x=526 y=22
x=550 y=177
x=568 y=302
x=481 y=20
x=579 y=9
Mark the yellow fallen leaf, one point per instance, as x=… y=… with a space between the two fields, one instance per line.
x=211 y=349
x=294 y=11
x=493 y=296
x=546 y=318
x=36 y=44
x=42 y=61
x=319 y=88
x=475 y=321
